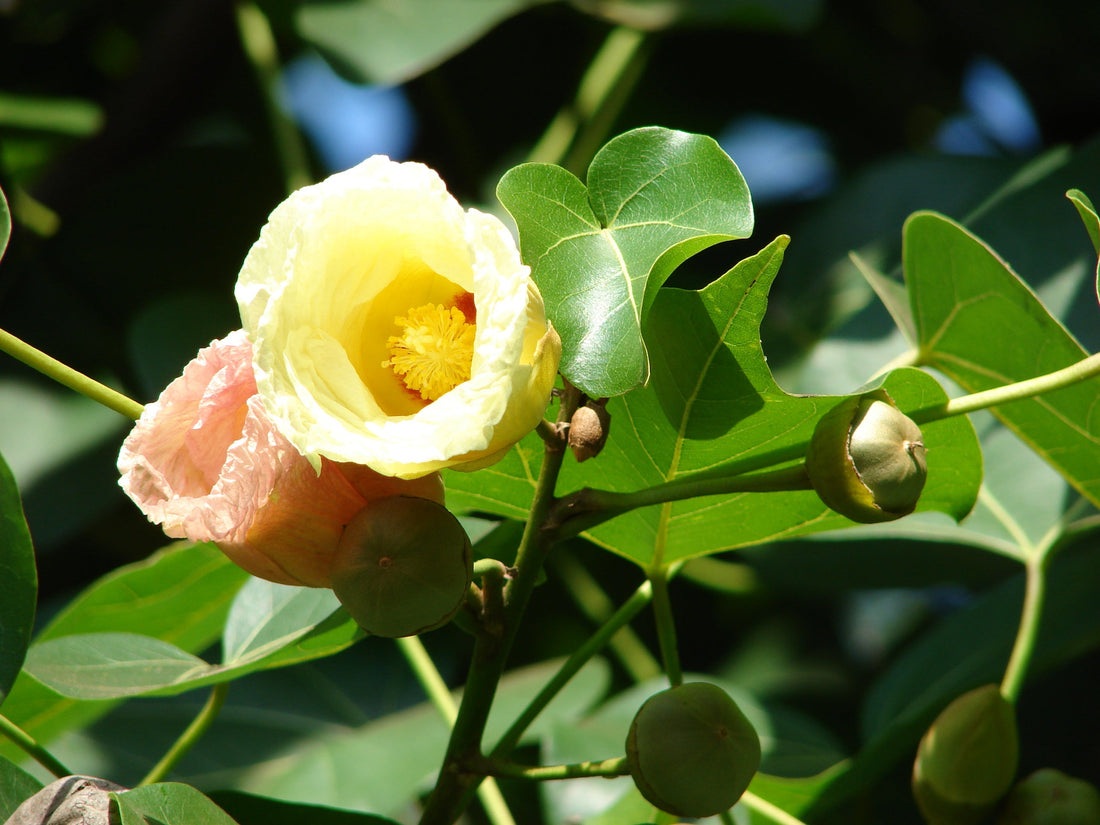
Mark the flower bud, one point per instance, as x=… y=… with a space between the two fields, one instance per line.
x=588 y=430
x=403 y=566
x=866 y=459
x=691 y=751
x=1049 y=797
x=967 y=759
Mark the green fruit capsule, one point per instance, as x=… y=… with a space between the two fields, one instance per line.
x=866 y=459
x=1049 y=797
x=403 y=566
x=967 y=758
x=691 y=751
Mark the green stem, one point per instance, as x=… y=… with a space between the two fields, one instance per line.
x=613 y=767
x=30 y=746
x=440 y=696
x=583 y=123
x=766 y=808
x=586 y=508
x=456 y=778
x=630 y=608
x=67 y=376
x=1073 y=374
x=199 y=725
x=259 y=46
x=597 y=606
x=1028 y=632
x=666 y=625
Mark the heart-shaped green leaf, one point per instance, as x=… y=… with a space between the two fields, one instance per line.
x=713 y=407
x=600 y=252
x=981 y=325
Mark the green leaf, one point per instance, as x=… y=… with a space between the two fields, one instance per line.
x=982 y=326
x=180 y=595
x=376 y=41
x=327 y=768
x=250 y=809
x=266 y=617
x=168 y=803
x=18 y=582
x=110 y=665
x=713 y=407
x=1088 y=214
x=269 y=625
x=16 y=785
x=599 y=253
x=1092 y=225
x=968 y=648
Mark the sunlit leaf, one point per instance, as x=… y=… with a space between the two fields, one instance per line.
x=267 y=616
x=375 y=41
x=109 y=665
x=600 y=252
x=272 y=626
x=18 y=582
x=180 y=595
x=982 y=326
x=713 y=406
x=168 y=803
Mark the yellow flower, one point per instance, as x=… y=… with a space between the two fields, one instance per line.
x=392 y=328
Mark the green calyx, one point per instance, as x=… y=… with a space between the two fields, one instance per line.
x=866 y=459
x=403 y=566
x=967 y=759
x=691 y=751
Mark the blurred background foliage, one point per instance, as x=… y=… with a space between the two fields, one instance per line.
x=138 y=152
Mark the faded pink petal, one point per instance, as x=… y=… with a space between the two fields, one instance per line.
x=206 y=463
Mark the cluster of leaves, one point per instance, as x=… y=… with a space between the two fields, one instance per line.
x=693 y=397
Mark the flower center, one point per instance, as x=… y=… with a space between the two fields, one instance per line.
x=434 y=351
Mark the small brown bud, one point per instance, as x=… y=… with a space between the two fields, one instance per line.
x=588 y=429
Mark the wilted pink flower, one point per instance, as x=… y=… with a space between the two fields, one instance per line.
x=205 y=462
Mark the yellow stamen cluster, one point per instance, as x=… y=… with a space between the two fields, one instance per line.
x=434 y=352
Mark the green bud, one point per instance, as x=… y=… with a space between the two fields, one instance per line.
x=691 y=751
x=403 y=566
x=967 y=759
x=866 y=459
x=1049 y=797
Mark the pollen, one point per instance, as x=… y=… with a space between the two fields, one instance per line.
x=434 y=351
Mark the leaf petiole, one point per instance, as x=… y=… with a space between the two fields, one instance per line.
x=32 y=748
x=67 y=376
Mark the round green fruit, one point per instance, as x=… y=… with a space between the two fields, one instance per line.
x=403 y=566
x=967 y=759
x=691 y=751
x=1049 y=797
